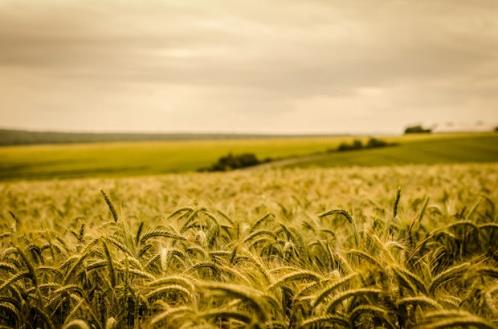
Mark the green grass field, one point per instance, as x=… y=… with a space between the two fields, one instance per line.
x=140 y=158
x=454 y=150
x=152 y=158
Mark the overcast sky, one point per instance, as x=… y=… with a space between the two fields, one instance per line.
x=279 y=66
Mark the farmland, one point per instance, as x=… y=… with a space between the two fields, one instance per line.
x=149 y=158
x=452 y=150
x=396 y=237
x=248 y=165
x=388 y=247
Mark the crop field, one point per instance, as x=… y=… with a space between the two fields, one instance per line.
x=140 y=158
x=384 y=247
x=449 y=150
x=123 y=159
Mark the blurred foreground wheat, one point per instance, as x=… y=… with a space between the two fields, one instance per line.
x=272 y=249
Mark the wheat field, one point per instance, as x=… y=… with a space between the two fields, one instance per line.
x=386 y=247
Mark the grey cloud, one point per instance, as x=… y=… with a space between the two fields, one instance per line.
x=251 y=57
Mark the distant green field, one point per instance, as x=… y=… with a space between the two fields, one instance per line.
x=141 y=158
x=150 y=158
x=449 y=150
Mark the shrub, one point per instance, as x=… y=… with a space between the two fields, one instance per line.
x=374 y=142
x=356 y=145
x=417 y=130
x=235 y=161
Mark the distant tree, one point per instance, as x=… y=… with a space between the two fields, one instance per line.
x=374 y=143
x=343 y=147
x=496 y=129
x=232 y=161
x=356 y=145
x=418 y=129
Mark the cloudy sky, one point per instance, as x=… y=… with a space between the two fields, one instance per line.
x=279 y=66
